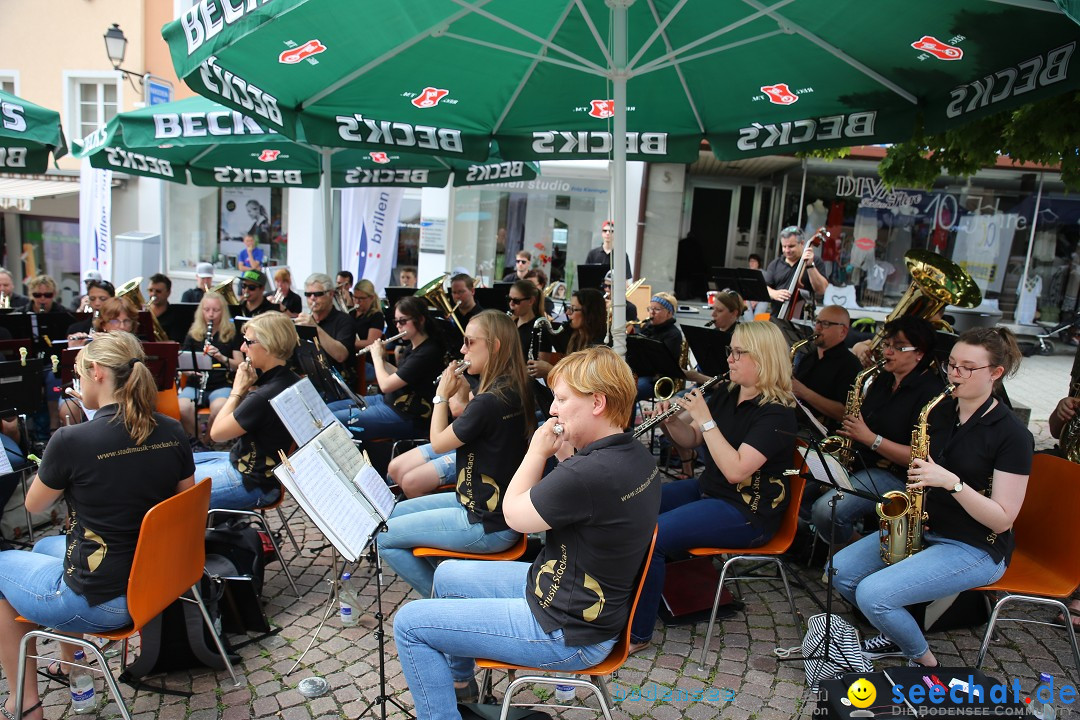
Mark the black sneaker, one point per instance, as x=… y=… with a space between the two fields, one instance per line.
x=880 y=647
x=468 y=694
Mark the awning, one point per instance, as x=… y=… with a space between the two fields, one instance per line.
x=18 y=193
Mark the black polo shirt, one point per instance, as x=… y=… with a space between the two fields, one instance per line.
x=778 y=276
x=988 y=441
x=110 y=484
x=534 y=339
x=364 y=323
x=892 y=414
x=769 y=428
x=599 y=256
x=667 y=332
x=339 y=326
x=601 y=505
x=264 y=306
x=173 y=323
x=418 y=367
x=255 y=454
x=292 y=303
x=830 y=375
x=492 y=428
x=465 y=317
x=192 y=295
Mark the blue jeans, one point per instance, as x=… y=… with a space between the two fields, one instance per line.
x=445 y=463
x=688 y=520
x=438 y=521
x=227 y=490
x=219 y=394
x=33 y=582
x=944 y=567
x=378 y=420
x=851 y=508
x=479 y=610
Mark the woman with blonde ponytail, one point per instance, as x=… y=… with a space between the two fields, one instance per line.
x=111 y=471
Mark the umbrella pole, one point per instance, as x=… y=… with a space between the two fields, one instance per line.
x=618 y=144
x=802 y=194
x=326 y=196
x=1031 y=239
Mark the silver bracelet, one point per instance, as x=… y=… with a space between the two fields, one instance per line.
x=877 y=443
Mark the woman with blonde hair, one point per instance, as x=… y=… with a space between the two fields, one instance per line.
x=117 y=314
x=111 y=471
x=290 y=304
x=222 y=348
x=368 y=318
x=244 y=477
x=490 y=437
x=748 y=428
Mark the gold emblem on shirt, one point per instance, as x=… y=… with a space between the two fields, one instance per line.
x=593 y=611
x=94 y=559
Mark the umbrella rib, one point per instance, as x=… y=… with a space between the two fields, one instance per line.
x=532 y=36
x=525 y=53
x=595 y=33
x=660 y=28
x=678 y=69
x=202 y=154
x=1031 y=5
x=675 y=62
x=398 y=49
x=836 y=52
x=673 y=58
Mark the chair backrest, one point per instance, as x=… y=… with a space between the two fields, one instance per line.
x=168 y=403
x=843 y=296
x=1044 y=526
x=621 y=651
x=171 y=552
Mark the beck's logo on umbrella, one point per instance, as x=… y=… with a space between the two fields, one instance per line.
x=302 y=52
x=429 y=97
x=602 y=109
x=269 y=155
x=779 y=94
x=379 y=157
x=940 y=50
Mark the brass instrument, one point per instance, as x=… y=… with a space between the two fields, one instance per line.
x=84 y=306
x=434 y=293
x=629 y=291
x=1070 y=434
x=343 y=300
x=365 y=350
x=635 y=323
x=5 y=301
x=801 y=344
x=278 y=297
x=837 y=445
x=225 y=289
x=131 y=292
x=902 y=514
x=661 y=417
x=462 y=366
x=936 y=282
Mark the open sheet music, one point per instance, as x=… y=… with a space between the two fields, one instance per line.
x=338 y=489
x=194 y=361
x=302 y=411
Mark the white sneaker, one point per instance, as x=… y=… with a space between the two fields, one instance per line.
x=880 y=647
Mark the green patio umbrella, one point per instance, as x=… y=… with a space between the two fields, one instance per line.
x=216 y=146
x=638 y=79
x=28 y=134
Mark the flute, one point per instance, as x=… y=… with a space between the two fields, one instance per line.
x=366 y=350
x=463 y=365
x=661 y=417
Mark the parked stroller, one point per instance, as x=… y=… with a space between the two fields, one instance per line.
x=1043 y=344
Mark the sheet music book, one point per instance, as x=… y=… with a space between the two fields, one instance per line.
x=338 y=489
x=302 y=411
x=838 y=472
x=5 y=464
x=184 y=361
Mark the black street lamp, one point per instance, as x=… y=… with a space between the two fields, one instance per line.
x=115 y=48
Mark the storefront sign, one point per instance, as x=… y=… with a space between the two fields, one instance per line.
x=432 y=235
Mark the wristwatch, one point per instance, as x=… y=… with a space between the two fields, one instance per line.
x=957 y=487
x=707 y=426
x=438 y=399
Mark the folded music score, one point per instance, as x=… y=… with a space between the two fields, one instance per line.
x=329 y=477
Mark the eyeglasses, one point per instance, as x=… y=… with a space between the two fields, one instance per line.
x=401 y=321
x=608 y=230
x=961 y=371
x=118 y=322
x=249 y=286
x=314 y=293
x=898 y=348
x=42 y=295
x=828 y=324
x=521 y=261
x=516 y=301
x=571 y=309
x=734 y=353
x=470 y=340
x=251 y=341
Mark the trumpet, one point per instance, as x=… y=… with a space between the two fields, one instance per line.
x=343 y=300
x=384 y=341
x=462 y=366
x=278 y=297
x=661 y=417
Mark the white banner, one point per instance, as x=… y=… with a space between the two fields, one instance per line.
x=369 y=229
x=982 y=248
x=95 y=221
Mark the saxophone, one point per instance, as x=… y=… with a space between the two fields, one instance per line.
x=902 y=514
x=1070 y=434
x=838 y=445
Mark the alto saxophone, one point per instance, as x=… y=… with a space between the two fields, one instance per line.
x=902 y=514
x=1070 y=434
x=837 y=445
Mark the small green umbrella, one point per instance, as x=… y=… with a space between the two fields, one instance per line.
x=28 y=134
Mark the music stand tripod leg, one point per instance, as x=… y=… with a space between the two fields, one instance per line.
x=331 y=600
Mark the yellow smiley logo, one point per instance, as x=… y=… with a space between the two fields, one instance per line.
x=861 y=693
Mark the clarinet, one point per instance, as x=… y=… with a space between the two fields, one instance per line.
x=657 y=419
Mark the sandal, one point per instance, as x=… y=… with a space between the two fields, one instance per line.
x=7 y=714
x=54 y=671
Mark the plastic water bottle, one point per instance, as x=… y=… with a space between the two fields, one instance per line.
x=349 y=602
x=1045 y=710
x=564 y=693
x=83 y=697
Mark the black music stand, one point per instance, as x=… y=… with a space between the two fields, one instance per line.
x=18 y=324
x=792 y=333
x=494 y=298
x=749 y=283
x=184 y=313
x=395 y=293
x=591 y=275
x=709 y=347
x=9 y=349
x=651 y=358
x=20 y=385
x=50 y=328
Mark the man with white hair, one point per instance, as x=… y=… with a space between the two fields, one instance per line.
x=7 y=289
x=335 y=328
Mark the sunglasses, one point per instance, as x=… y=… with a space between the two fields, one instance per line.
x=516 y=301
x=42 y=295
x=251 y=341
x=608 y=230
x=249 y=286
x=401 y=321
x=470 y=340
x=521 y=261
x=571 y=309
x=314 y=293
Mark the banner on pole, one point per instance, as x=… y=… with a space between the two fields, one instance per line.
x=369 y=230
x=95 y=220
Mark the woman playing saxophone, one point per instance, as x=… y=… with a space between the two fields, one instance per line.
x=974 y=482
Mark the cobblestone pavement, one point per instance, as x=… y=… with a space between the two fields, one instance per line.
x=740 y=658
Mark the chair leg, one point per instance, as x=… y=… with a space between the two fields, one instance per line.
x=261 y=520
x=604 y=695
x=89 y=647
x=213 y=633
x=715 y=607
x=787 y=589
x=1052 y=602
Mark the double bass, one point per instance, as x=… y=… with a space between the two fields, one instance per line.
x=793 y=305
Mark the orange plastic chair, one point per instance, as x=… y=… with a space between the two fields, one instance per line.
x=596 y=682
x=169 y=559
x=1045 y=566
x=168 y=403
x=512 y=553
x=770 y=552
